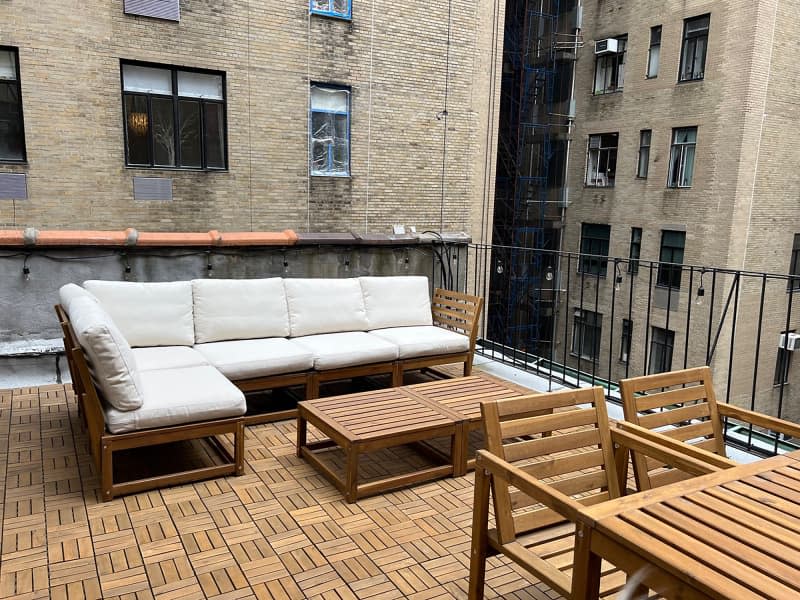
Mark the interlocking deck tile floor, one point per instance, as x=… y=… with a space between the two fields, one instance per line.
x=279 y=531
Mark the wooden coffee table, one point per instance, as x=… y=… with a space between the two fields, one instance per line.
x=374 y=420
x=461 y=399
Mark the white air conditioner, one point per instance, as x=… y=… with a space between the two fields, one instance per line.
x=789 y=341
x=609 y=46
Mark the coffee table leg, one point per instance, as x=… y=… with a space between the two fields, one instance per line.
x=302 y=432
x=459 y=448
x=351 y=477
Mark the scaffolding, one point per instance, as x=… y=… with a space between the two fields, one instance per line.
x=540 y=45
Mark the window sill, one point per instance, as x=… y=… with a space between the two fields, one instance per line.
x=586 y=358
x=640 y=178
x=608 y=93
x=328 y=15
x=695 y=80
x=679 y=187
x=335 y=175
x=173 y=169
x=11 y=161
x=606 y=187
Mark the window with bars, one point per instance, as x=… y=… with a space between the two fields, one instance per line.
x=681 y=157
x=12 y=129
x=635 y=250
x=594 y=249
x=609 y=71
x=654 y=53
x=625 y=342
x=587 y=329
x=662 y=343
x=341 y=9
x=174 y=118
x=330 y=131
x=673 y=244
x=794 y=267
x=643 y=164
x=694 y=48
x=601 y=160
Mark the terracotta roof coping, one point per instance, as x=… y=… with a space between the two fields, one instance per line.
x=132 y=237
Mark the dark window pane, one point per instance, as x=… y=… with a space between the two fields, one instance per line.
x=163 y=132
x=189 y=115
x=12 y=143
x=215 y=136
x=137 y=122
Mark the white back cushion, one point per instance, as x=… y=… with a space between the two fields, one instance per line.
x=396 y=301
x=239 y=309
x=148 y=314
x=325 y=306
x=113 y=364
x=67 y=293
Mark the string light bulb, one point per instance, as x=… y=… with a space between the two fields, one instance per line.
x=549 y=273
x=701 y=291
x=499 y=267
x=209 y=266
x=617 y=276
x=285 y=264
x=405 y=261
x=26 y=271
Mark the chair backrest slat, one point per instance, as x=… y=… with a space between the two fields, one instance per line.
x=674 y=416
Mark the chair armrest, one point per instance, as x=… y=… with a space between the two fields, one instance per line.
x=528 y=484
x=759 y=419
x=675 y=453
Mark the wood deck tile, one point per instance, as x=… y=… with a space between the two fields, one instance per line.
x=281 y=531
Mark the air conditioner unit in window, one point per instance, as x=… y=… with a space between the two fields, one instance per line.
x=789 y=341
x=609 y=46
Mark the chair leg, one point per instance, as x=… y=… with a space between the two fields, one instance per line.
x=107 y=470
x=238 y=448
x=480 y=538
x=586 y=566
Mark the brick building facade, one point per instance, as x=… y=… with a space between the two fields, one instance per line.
x=420 y=77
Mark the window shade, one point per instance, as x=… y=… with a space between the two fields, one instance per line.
x=199 y=85
x=8 y=66
x=329 y=100
x=146 y=79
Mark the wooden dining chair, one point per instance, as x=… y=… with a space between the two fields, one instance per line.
x=681 y=409
x=541 y=470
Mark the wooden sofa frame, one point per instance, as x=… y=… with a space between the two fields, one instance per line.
x=454 y=311
x=103 y=444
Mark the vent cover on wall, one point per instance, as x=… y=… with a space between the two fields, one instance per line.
x=158 y=9
x=13 y=186
x=152 y=188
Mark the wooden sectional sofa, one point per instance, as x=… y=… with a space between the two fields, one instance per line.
x=159 y=362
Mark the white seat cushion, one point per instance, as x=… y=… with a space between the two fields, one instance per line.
x=245 y=359
x=396 y=301
x=325 y=306
x=148 y=314
x=335 y=350
x=239 y=309
x=168 y=357
x=423 y=341
x=177 y=396
x=111 y=359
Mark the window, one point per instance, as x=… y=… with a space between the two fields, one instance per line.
x=644 y=153
x=625 y=346
x=654 y=53
x=661 y=347
x=609 y=70
x=695 y=47
x=794 y=267
x=12 y=132
x=672 y=245
x=586 y=331
x=594 y=241
x=174 y=118
x=330 y=131
x=601 y=162
x=635 y=250
x=782 y=363
x=681 y=157
x=332 y=8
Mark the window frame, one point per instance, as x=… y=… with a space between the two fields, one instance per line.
x=594 y=265
x=595 y=176
x=625 y=341
x=793 y=283
x=18 y=83
x=675 y=180
x=616 y=83
x=348 y=16
x=690 y=39
x=636 y=242
x=580 y=324
x=654 y=44
x=667 y=347
x=311 y=111
x=669 y=274
x=644 y=149
x=176 y=97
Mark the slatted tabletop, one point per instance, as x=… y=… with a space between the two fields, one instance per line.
x=734 y=534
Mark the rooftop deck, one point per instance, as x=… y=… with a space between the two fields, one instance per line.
x=279 y=531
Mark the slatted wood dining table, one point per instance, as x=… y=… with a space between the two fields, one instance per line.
x=733 y=534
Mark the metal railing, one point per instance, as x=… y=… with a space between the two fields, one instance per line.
x=563 y=316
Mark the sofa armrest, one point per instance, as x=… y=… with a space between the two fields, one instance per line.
x=457 y=312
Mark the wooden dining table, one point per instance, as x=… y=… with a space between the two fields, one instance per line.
x=729 y=535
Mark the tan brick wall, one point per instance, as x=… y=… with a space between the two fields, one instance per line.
x=394 y=58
